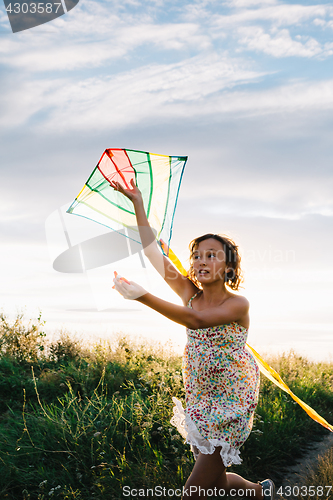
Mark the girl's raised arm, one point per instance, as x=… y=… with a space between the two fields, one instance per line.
x=179 y=283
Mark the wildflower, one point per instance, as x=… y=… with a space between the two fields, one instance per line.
x=52 y=490
x=97 y=434
x=160 y=428
x=43 y=483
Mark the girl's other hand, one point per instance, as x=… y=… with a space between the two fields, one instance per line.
x=128 y=289
x=133 y=194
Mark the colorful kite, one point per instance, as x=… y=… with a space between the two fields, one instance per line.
x=157 y=176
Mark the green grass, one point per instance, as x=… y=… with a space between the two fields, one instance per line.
x=81 y=424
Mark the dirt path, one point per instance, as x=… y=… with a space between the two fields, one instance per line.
x=308 y=461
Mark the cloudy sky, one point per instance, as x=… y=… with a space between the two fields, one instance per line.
x=243 y=87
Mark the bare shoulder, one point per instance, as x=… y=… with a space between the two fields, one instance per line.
x=238 y=309
x=239 y=302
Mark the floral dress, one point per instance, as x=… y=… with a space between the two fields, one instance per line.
x=221 y=381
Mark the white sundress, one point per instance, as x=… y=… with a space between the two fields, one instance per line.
x=221 y=381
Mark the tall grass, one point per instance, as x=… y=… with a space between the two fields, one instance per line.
x=320 y=479
x=82 y=424
x=316 y=483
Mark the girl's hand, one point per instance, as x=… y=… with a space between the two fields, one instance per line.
x=133 y=194
x=128 y=289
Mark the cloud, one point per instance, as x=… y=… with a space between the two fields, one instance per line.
x=275 y=192
x=209 y=86
x=24 y=100
x=98 y=50
x=289 y=98
x=251 y=3
x=51 y=56
x=121 y=32
x=67 y=44
x=280 y=43
x=278 y=14
x=264 y=28
x=150 y=91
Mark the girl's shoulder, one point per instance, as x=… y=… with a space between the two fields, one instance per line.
x=239 y=300
x=233 y=301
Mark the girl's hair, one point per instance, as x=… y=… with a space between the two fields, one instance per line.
x=233 y=277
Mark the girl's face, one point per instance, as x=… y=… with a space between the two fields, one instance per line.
x=209 y=261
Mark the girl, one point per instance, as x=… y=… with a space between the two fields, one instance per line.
x=221 y=378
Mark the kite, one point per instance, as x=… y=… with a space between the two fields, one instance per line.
x=158 y=177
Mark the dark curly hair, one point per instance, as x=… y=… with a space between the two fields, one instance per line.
x=233 y=277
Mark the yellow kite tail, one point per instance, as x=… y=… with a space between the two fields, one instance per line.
x=173 y=257
x=273 y=375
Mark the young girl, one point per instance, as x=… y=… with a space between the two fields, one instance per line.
x=221 y=378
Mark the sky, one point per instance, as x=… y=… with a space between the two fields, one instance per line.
x=244 y=88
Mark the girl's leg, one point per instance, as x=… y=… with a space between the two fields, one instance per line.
x=209 y=473
x=206 y=472
x=228 y=481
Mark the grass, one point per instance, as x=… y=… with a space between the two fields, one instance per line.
x=82 y=424
x=320 y=478
x=315 y=484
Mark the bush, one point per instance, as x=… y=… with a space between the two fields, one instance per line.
x=21 y=342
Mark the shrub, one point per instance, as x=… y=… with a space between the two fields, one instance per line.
x=23 y=342
x=66 y=347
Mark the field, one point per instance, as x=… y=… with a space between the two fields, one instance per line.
x=83 y=424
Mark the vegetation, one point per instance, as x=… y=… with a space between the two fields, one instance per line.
x=82 y=424
x=319 y=482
